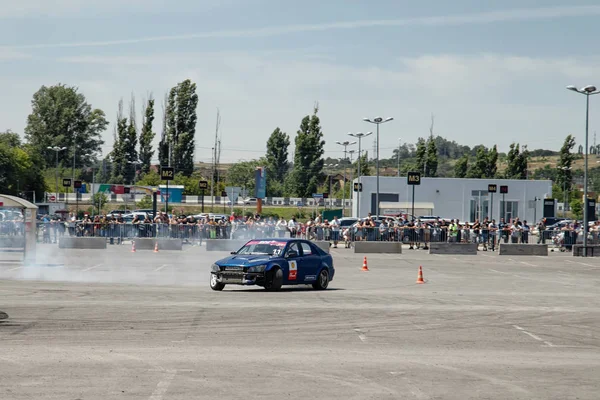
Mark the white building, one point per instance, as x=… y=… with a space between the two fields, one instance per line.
x=465 y=199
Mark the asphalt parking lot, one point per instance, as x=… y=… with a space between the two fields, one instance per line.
x=111 y=324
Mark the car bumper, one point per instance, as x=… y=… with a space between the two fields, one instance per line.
x=239 y=278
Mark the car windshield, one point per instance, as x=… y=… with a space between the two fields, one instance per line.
x=270 y=247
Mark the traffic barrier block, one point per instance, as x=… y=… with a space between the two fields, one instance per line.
x=322 y=244
x=163 y=244
x=92 y=243
x=593 y=250
x=224 y=244
x=12 y=242
x=523 y=249
x=468 y=249
x=378 y=247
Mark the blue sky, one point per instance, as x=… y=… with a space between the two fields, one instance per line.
x=491 y=72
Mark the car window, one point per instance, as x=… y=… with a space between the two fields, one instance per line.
x=293 y=246
x=306 y=250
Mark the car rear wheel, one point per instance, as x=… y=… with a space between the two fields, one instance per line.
x=322 y=281
x=214 y=284
x=274 y=280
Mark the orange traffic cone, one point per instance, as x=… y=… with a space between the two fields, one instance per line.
x=365 y=267
x=420 y=276
x=133 y=246
x=156 y=247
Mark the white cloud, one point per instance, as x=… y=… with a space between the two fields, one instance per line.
x=484 y=17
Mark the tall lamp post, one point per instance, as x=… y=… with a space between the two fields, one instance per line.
x=378 y=121
x=57 y=149
x=587 y=91
x=345 y=144
x=398 y=155
x=330 y=168
x=565 y=191
x=359 y=136
x=351 y=152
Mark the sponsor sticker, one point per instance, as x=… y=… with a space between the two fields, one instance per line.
x=293 y=270
x=310 y=277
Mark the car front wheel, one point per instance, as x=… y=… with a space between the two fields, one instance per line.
x=274 y=280
x=214 y=284
x=322 y=281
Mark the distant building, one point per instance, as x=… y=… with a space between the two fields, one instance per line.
x=465 y=199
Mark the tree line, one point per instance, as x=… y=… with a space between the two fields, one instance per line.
x=64 y=136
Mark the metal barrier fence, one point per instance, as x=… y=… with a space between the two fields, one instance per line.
x=50 y=232
x=417 y=237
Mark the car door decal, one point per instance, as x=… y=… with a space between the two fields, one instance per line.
x=293 y=270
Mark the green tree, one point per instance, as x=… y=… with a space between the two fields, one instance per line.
x=462 y=167
x=62 y=117
x=365 y=169
x=277 y=156
x=516 y=163
x=242 y=174
x=21 y=168
x=479 y=167
x=118 y=155
x=130 y=153
x=308 y=158
x=146 y=137
x=576 y=206
x=431 y=163
x=421 y=154
x=564 y=176
x=180 y=131
x=491 y=169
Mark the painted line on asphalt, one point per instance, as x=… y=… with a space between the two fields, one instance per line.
x=93 y=267
x=16 y=268
x=161 y=267
x=361 y=335
x=526 y=263
x=163 y=385
x=580 y=263
x=539 y=339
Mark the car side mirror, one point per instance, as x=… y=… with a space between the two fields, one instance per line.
x=292 y=254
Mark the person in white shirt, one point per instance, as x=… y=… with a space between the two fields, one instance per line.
x=335 y=231
x=292 y=227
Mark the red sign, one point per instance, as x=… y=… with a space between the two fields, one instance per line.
x=52 y=198
x=1 y=203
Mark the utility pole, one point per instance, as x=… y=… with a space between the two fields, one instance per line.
x=398 y=155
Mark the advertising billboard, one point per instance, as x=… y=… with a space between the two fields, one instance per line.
x=260 y=191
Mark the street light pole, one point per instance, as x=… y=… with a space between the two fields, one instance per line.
x=56 y=149
x=345 y=144
x=359 y=136
x=398 y=155
x=565 y=197
x=378 y=121
x=587 y=91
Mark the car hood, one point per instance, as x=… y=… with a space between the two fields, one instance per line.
x=245 y=260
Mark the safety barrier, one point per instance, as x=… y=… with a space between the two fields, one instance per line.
x=163 y=244
x=224 y=245
x=68 y=242
x=510 y=249
x=592 y=250
x=378 y=247
x=323 y=245
x=453 y=248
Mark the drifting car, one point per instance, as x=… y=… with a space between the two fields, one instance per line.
x=272 y=263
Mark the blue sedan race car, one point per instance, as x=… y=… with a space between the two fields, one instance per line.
x=272 y=263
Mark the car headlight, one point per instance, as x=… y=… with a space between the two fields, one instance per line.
x=215 y=268
x=257 y=268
